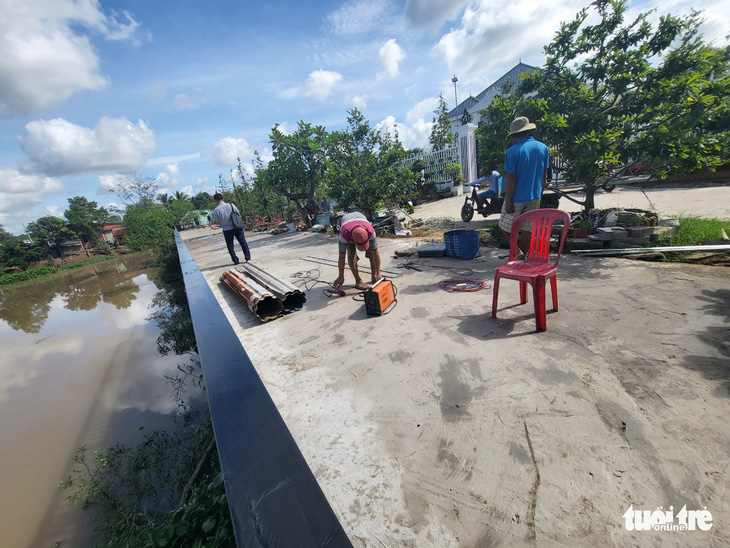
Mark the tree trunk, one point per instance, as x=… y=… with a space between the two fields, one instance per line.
x=590 y=201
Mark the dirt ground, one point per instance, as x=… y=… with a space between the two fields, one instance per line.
x=437 y=425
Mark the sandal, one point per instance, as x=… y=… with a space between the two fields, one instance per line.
x=362 y=287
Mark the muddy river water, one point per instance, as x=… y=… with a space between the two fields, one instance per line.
x=79 y=366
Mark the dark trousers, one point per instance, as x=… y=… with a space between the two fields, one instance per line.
x=238 y=234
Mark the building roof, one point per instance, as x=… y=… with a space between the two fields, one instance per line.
x=486 y=97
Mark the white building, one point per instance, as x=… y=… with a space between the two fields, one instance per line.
x=465 y=118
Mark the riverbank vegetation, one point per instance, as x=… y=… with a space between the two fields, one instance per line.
x=167 y=490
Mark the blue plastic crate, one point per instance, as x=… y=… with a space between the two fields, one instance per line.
x=463 y=244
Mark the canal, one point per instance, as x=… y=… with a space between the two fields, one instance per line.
x=80 y=366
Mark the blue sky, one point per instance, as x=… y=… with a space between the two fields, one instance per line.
x=176 y=90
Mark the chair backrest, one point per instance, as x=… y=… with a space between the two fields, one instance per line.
x=542 y=227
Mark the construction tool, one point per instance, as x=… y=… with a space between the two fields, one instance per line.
x=381 y=298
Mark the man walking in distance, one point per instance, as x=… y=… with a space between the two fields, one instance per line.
x=222 y=215
x=356 y=233
x=526 y=165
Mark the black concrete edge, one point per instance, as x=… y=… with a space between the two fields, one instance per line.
x=273 y=496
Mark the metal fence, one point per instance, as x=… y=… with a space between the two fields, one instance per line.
x=273 y=496
x=435 y=162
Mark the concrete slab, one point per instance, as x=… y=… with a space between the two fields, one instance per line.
x=436 y=425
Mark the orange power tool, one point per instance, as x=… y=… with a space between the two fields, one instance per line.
x=380 y=298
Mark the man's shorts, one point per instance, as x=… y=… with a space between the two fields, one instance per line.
x=352 y=253
x=507 y=219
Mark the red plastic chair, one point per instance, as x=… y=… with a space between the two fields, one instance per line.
x=536 y=267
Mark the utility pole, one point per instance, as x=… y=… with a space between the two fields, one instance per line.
x=454 y=80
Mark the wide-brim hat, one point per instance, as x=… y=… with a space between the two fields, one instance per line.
x=361 y=238
x=520 y=124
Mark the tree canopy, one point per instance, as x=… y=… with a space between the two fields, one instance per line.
x=615 y=93
x=85 y=217
x=442 y=136
x=363 y=170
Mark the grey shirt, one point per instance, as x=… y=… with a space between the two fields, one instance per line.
x=222 y=215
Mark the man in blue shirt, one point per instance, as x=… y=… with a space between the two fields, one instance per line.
x=526 y=164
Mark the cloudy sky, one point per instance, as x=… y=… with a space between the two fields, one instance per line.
x=177 y=90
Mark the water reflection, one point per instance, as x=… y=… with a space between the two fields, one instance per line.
x=26 y=308
x=80 y=366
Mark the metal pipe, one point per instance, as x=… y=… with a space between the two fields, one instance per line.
x=258 y=299
x=291 y=297
x=638 y=250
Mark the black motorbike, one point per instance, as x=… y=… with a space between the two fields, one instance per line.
x=488 y=206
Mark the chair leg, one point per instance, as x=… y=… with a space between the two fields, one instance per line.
x=523 y=292
x=538 y=292
x=554 y=291
x=495 y=295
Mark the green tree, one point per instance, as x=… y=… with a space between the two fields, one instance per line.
x=164 y=198
x=298 y=168
x=363 y=172
x=203 y=200
x=52 y=231
x=85 y=217
x=149 y=225
x=453 y=172
x=265 y=200
x=14 y=252
x=492 y=134
x=442 y=135
x=615 y=94
x=180 y=213
x=181 y=196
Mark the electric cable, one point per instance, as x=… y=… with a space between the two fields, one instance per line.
x=463 y=286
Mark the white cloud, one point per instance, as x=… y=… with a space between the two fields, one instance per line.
x=357 y=101
x=168 y=178
x=107 y=183
x=358 y=17
x=432 y=13
x=46 y=57
x=19 y=193
x=227 y=151
x=321 y=83
x=494 y=35
x=56 y=211
x=414 y=133
x=391 y=55
x=119 y=31
x=164 y=160
x=59 y=147
x=183 y=102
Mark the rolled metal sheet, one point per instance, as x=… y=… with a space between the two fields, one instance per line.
x=259 y=300
x=292 y=298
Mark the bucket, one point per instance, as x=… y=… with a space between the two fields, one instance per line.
x=463 y=244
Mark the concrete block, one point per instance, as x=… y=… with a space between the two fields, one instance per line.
x=572 y=244
x=667 y=221
x=662 y=233
x=639 y=231
x=639 y=240
x=610 y=233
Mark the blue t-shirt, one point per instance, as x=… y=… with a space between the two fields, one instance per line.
x=527 y=159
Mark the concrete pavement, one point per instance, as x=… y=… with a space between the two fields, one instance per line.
x=436 y=425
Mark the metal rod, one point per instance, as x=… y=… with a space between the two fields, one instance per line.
x=637 y=250
x=330 y=262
